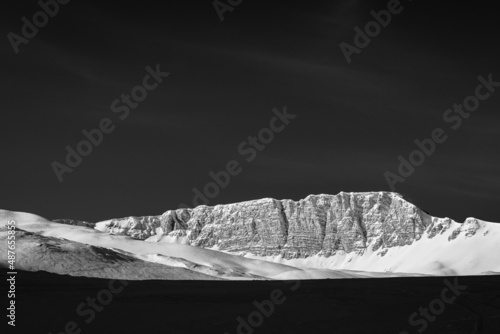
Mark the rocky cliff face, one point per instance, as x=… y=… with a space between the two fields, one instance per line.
x=318 y=224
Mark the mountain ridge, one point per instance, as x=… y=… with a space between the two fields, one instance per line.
x=318 y=224
x=348 y=235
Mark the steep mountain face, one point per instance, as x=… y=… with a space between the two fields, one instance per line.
x=316 y=225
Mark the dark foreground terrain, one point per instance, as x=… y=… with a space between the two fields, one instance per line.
x=59 y=304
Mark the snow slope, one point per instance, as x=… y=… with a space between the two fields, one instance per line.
x=441 y=255
x=210 y=261
x=444 y=248
x=36 y=252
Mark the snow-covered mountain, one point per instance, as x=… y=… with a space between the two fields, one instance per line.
x=64 y=249
x=317 y=225
x=323 y=236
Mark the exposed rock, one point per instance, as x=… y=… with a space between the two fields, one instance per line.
x=469 y=228
x=438 y=226
x=454 y=235
x=318 y=224
x=74 y=222
x=136 y=227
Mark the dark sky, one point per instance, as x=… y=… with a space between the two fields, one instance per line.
x=353 y=120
